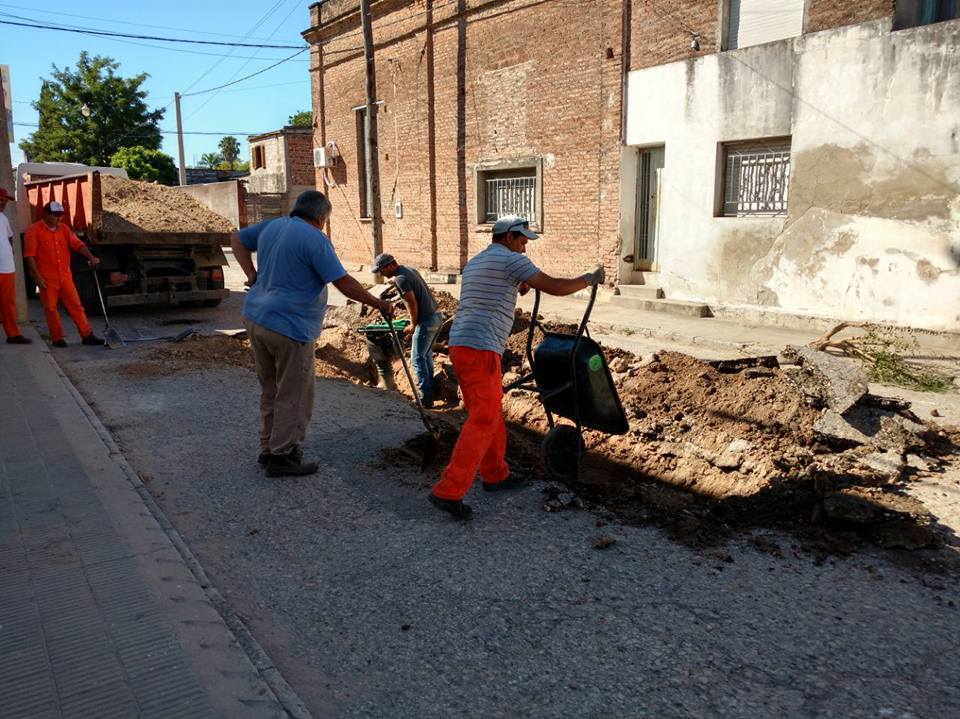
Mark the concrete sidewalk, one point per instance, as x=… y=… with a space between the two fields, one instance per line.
x=103 y=611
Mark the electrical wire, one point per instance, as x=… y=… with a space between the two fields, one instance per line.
x=245 y=77
x=156 y=38
x=162 y=132
x=59 y=13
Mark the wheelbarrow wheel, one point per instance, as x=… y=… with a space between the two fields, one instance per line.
x=560 y=452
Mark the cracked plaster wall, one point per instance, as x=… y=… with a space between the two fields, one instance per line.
x=872 y=230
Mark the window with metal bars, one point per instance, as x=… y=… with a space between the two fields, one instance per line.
x=512 y=192
x=756 y=179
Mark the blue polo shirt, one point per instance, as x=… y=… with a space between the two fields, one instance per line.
x=295 y=263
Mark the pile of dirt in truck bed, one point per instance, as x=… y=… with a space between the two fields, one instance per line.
x=131 y=206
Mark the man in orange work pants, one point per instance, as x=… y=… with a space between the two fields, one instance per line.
x=488 y=298
x=8 y=292
x=46 y=247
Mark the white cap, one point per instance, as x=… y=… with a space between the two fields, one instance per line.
x=54 y=207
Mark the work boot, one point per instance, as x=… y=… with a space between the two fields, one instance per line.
x=511 y=482
x=18 y=340
x=454 y=507
x=296 y=453
x=289 y=465
x=59 y=343
x=91 y=340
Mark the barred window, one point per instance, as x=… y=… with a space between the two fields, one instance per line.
x=756 y=179
x=510 y=193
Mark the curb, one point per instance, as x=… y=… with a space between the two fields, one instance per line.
x=264 y=665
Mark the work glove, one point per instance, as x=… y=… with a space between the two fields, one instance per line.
x=597 y=277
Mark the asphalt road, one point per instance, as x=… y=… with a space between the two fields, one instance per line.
x=372 y=604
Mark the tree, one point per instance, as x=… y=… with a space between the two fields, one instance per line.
x=142 y=163
x=89 y=113
x=304 y=118
x=210 y=159
x=229 y=150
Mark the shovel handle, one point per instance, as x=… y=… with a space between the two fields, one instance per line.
x=406 y=369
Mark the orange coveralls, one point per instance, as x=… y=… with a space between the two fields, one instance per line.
x=482 y=443
x=51 y=249
x=8 y=303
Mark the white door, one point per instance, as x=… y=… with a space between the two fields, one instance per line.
x=650 y=165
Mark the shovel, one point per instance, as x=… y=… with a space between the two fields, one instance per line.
x=110 y=335
x=432 y=440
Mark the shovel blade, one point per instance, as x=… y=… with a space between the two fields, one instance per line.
x=431 y=446
x=112 y=337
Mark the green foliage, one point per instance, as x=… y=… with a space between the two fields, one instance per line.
x=229 y=150
x=142 y=163
x=118 y=114
x=304 y=118
x=210 y=159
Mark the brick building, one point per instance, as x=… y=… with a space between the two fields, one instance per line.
x=281 y=167
x=486 y=105
x=480 y=109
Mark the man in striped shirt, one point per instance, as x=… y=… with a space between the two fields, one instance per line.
x=488 y=298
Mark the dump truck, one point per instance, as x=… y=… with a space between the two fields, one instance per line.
x=137 y=266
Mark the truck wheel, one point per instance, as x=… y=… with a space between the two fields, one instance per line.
x=212 y=303
x=87 y=289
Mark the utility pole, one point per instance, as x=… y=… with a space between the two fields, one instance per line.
x=6 y=182
x=183 y=166
x=370 y=126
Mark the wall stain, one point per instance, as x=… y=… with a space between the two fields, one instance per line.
x=839 y=179
x=927 y=272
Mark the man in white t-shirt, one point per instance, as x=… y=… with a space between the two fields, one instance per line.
x=8 y=277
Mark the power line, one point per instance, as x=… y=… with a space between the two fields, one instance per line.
x=162 y=132
x=246 y=77
x=276 y=6
x=127 y=22
x=108 y=33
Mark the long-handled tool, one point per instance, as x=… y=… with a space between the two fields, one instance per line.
x=110 y=335
x=432 y=440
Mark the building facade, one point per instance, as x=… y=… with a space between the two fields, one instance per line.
x=281 y=167
x=810 y=167
x=759 y=156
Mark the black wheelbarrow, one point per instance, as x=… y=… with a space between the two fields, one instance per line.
x=570 y=375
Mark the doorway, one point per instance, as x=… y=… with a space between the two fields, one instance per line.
x=649 y=183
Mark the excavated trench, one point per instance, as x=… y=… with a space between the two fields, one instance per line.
x=713 y=448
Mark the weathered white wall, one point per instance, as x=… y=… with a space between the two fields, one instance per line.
x=271 y=179
x=872 y=230
x=224 y=198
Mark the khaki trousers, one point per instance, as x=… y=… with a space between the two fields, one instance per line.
x=285 y=370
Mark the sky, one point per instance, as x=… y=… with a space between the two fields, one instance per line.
x=260 y=104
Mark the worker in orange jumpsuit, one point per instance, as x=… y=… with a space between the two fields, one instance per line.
x=8 y=292
x=46 y=249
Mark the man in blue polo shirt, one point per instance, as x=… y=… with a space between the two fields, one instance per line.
x=283 y=314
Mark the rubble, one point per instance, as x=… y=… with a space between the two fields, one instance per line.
x=826 y=380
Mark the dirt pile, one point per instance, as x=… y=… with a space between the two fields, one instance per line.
x=131 y=206
x=201 y=352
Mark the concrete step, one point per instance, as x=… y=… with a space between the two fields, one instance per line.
x=640 y=292
x=676 y=307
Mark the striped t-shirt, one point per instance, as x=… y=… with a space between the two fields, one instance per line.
x=488 y=297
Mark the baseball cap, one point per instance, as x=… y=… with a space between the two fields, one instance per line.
x=54 y=207
x=5 y=195
x=514 y=223
x=382 y=260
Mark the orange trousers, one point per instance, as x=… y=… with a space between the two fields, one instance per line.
x=65 y=293
x=8 y=303
x=482 y=443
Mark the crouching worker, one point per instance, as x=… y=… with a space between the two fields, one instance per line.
x=283 y=314
x=488 y=298
x=425 y=320
x=46 y=248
